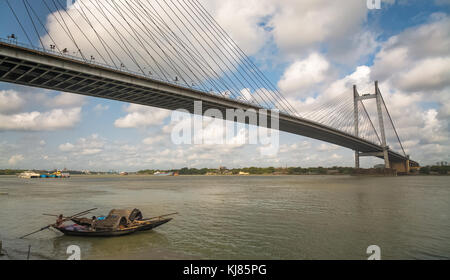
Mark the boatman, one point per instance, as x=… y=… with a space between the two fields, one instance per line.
x=94 y=222
x=59 y=220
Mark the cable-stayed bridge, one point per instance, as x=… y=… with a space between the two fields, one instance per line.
x=168 y=54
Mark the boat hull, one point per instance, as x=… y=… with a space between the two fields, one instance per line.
x=89 y=233
x=86 y=232
x=154 y=224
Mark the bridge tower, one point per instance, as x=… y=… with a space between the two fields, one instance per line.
x=357 y=98
x=356 y=121
x=381 y=123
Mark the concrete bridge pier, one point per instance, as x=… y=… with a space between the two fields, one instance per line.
x=356 y=159
x=401 y=166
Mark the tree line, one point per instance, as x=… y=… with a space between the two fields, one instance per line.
x=254 y=171
x=435 y=169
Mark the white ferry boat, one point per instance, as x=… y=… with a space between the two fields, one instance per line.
x=29 y=175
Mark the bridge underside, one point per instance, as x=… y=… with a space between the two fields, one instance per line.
x=38 y=69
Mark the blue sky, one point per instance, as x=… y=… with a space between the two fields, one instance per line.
x=405 y=45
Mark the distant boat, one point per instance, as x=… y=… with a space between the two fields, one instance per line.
x=59 y=174
x=29 y=175
x=157 y=173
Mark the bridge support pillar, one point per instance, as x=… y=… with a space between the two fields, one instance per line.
x=356 y=159
x=356 y=121
x=381 y=123
x=387 y=163
x=401 y=166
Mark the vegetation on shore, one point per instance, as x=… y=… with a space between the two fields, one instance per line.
x=336 y=170
x=18 y=171
x=442 y=170
x=257 y=171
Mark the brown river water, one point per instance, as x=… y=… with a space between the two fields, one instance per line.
x=250 y=217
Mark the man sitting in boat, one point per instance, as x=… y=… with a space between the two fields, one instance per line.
x=59 y=220
x=93 y=223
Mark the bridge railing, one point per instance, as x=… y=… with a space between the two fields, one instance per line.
x=122 y=69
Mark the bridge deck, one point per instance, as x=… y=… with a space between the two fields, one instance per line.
x=20 y=65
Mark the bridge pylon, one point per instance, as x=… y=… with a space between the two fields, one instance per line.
x=356 y=121
x=377 y=96
x=381 y=123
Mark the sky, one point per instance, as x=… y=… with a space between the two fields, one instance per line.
x=309 y=49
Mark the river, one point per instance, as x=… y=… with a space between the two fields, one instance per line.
x=232 y=217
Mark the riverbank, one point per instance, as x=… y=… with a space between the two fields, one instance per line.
x=260 y=171
x=220 y=175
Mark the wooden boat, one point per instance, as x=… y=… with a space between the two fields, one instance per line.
x=77 y=230
x=118 y=222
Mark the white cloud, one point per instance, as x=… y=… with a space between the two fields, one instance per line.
x=67 y=147
x=84 y=146
x=140 y=116
x=123 y=17
x=20 y=110
x=296 y=27
x=87 y=151
x=41 y=121
x=245 y=25
x=417 y=59
x=299 y=25
x=336 y=156
x=15 y=159
x=67 y=100
x=327 y=147
x=433 y=128
x=10 y=102
x=303 y=146
x=356 y=49
x=427 y=74
x=99 y=108
x=153 y=140
x=337 y=88
x=302 y=75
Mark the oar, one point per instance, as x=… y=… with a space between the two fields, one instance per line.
x=68 y=218
x=52 y=215
x=44 y=228
x=81 y=213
